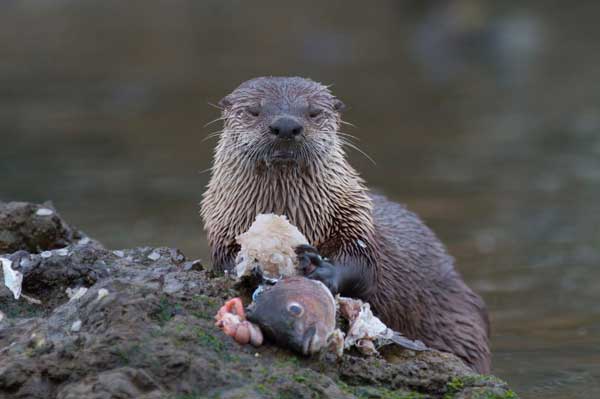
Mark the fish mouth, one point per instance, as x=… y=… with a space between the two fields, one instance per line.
x=308 y=340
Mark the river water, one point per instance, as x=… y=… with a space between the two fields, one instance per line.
x=481 y=117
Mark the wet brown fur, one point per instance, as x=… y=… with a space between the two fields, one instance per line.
x=407 y=275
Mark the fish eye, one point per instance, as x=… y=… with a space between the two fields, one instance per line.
x=314 y=112
x=295 y=309
x=253 y=110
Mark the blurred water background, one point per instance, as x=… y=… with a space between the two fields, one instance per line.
x=482 y=116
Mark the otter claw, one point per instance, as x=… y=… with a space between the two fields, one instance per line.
x=308 y=259
x=305 y=248
x=314 y=266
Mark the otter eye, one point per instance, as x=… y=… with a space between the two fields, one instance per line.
x=253 y=110
x=314 y=112
x=295 y=309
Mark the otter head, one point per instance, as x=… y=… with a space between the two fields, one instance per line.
x=280 y=152
x=280 y=120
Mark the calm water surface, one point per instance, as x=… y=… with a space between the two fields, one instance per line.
x=483 y=119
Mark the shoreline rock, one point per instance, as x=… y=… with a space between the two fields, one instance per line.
x=144 y=328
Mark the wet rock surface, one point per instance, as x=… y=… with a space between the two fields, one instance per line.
x=33 y=228
x=144 y=328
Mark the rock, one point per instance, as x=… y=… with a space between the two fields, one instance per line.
x=33 y=228
x=144 y=328
x=193 y=265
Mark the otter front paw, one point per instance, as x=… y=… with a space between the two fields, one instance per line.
x=308 y=258
x=314 y=266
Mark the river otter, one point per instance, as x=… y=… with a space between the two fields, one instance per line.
x=280 y=152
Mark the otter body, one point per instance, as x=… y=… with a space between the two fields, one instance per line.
x=280 y=152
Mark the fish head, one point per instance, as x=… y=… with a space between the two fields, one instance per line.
x=297 y=313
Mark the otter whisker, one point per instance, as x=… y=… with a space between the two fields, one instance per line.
x=304 y=151
x=348 y=135
x=221 y=118
x=347 y=123
x=353 y=146
x=213 y=134
x=219 y=132
x=205 y=170
x=214 y=106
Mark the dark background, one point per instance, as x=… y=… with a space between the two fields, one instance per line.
x=481 y=116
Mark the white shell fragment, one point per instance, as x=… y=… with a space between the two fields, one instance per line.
x=84 y=241
x=102 y=292
x=62 y=252
x=31 y=299
x=13 y=279
x=44 y=212
x=76 y=293
x=76 y=326
x=269 y=246
x=154 y=256
x=119 y=253
x=1 y=316
x=46 y=254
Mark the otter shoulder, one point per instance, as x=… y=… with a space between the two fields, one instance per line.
x=407 y=236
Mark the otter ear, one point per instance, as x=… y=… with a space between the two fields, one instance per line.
x=225 y=102
x=338 y=105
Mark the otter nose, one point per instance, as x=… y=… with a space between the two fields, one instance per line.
x=286 y=128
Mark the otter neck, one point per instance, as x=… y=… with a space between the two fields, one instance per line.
x=326 y=199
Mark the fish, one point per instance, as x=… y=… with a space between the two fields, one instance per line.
x=300 y=314
x=297 y=313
